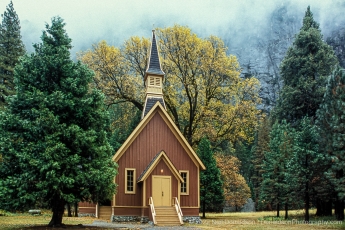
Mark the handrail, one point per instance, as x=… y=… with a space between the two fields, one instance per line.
x=152 y=210
x=178 y=209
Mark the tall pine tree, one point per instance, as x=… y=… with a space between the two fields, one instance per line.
x=211 y=185
x=306 y=158
x=304 y=69
x=276 y=186
x=11 y=48
x=261 y=146
x=331 y=121
x=54 y=132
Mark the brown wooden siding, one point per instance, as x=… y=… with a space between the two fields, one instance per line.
x=122 y=211
x=190 y=211
x=155 y=137
x=86 y=204
x=89 y=210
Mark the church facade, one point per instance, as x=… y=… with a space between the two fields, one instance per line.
x=157 y=168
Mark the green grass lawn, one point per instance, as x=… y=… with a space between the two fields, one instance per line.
x=252 y=220
x=25 y=220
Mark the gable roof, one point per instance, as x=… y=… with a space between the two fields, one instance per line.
x=153 y=164
x=153 y=65
x=158 y=108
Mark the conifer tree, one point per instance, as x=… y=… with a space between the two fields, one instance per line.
x=277 y=184
x=211 y=191
x=304 y=69
x=11 y=48
x=258 y=152
x=331 y=120
x=306 y=158
x=54 y=132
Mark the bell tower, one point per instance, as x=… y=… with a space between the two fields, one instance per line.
x=153 y=79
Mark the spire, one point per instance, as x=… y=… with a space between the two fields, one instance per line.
x=153 y=79
x=153 y=65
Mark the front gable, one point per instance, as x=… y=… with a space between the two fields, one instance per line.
x=155 y=161
x=166 y=133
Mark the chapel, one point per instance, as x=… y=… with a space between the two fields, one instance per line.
x=158 y=171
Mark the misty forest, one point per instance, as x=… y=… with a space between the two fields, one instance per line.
x=271 y=107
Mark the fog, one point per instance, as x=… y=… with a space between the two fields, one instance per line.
x=90 y=21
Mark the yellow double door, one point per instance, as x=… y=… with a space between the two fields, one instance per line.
x=161 y=190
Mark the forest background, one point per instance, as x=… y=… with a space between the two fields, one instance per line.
x=249 y=131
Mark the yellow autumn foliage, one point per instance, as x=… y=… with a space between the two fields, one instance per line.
x=236 y=190
x=203 y=90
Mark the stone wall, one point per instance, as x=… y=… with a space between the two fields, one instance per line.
x=192 y=219
x=141 y=219
x=86 y=215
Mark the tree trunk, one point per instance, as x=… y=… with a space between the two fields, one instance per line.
x=278 y=209
x=306 y=193
x=306 y=200
x=286 y=210
x=76 y=209
x=328 y=208
x=69 y=212
x=323 y=208
x=319 y=207
x=58 y=208
x=339 y=209
x=203 y=208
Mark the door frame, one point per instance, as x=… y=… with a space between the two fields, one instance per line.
x=170 y=185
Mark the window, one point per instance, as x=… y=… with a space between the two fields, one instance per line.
x=129 y=181
x=185 y=184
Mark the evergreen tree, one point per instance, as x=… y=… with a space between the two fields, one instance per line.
x=211 y=191
x=306 y=158
x=304 y=69
x=258 y=152
x=331 y=120
x=11 y=48
x=54 y=132
x=276 y=186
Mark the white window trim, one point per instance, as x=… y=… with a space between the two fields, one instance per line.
x=187 y=182
x=134 y=176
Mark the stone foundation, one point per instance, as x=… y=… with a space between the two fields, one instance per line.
x=192 y=219
x=86 y=215
x=141 y=219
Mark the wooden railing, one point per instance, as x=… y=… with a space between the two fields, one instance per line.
x=153 y=212
x=178 y=209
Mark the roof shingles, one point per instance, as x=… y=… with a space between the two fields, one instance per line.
x=154 y=66
x=151 y=101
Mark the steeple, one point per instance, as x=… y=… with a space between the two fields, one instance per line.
x=153 y=65
x=153 y=78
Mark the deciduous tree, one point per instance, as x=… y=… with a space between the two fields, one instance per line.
x=202 y=87
x=54 y=132
x=236 y=190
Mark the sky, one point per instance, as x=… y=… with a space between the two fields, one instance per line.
x=90 y=21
